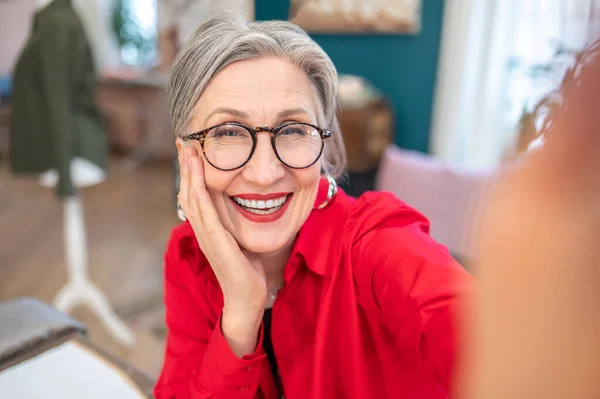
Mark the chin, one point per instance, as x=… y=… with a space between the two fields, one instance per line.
x=264 y=243
x=260 y=234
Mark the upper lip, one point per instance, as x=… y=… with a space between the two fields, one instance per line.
x=260 y=197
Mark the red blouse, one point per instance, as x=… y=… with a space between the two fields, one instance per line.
x=367 y=311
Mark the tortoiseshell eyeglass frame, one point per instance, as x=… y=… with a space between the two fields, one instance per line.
x=253 y=131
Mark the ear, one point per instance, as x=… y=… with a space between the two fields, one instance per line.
x=180 y=144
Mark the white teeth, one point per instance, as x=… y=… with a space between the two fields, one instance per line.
x=261 y=207
x=263 y=212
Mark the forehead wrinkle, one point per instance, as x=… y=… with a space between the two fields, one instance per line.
x=264 y=113
x=300 y=95
x=237 y=93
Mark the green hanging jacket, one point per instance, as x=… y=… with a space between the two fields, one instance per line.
x=54 y=116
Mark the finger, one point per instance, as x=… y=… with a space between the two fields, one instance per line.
x=184 y=181
x=202 y=203
x=194 y=203
x=180 y=163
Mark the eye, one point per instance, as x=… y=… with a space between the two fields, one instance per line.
x=226 y=133
x=295 y=129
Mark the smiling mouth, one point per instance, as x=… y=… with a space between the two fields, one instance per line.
x=260 y=207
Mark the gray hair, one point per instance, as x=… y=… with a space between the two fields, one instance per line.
x=226 y=38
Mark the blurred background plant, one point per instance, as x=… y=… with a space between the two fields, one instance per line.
x=543 y=81
x=133 y=23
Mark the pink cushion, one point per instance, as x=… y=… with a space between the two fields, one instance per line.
x=447 y=196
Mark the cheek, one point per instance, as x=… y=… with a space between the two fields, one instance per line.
x=308 y=179
x=216 y=181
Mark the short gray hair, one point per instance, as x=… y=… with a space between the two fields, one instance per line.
x=226 y=38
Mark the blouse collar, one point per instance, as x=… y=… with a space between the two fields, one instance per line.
x=321 y=232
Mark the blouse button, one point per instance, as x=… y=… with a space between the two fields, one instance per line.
x=244 y=389
x=249 y=368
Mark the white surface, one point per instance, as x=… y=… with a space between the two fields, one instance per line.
x=65 y=372
x=83 y=174
x=42 y=3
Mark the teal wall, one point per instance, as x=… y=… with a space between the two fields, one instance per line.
x=402 y=66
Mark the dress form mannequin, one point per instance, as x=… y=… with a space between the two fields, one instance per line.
x=80 y=290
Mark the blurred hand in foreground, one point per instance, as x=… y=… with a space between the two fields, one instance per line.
x=536 y=325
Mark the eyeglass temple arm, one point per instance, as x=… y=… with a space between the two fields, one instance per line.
x=194 y=136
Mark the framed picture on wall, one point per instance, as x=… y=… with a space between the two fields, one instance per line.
x=357 y=16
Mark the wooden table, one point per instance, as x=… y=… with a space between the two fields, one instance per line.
x=136 y=114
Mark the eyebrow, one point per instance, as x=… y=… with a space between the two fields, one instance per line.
x=242 y=115
x=291 y=112
x=227 y=111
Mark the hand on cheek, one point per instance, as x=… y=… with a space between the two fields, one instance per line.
x=241 y=278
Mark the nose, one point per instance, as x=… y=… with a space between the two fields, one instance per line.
x=264 y=168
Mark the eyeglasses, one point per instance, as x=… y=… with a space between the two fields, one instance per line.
x=230 y=146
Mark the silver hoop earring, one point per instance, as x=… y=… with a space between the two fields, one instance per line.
x=331 y=191
x=180 y=213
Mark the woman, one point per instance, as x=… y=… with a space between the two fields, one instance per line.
x=277 y=283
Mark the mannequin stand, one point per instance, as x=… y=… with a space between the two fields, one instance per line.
x=79 y=290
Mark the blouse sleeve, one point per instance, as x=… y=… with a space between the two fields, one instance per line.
x=198 y=360
x=418 y=289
